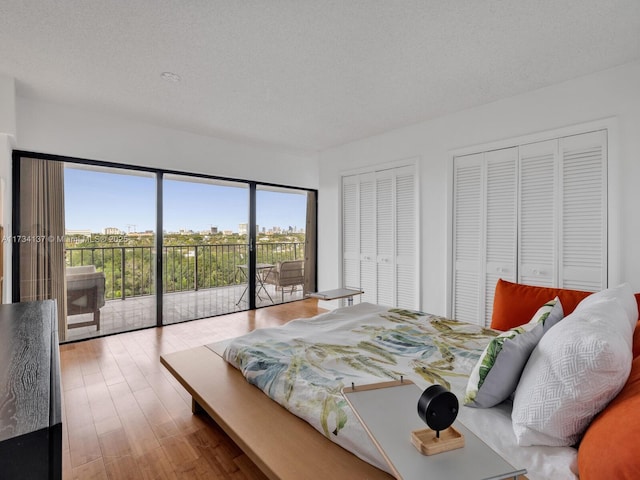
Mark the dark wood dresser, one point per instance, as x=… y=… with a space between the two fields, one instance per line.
x=30 y=405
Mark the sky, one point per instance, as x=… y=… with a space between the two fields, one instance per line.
x=97 y=200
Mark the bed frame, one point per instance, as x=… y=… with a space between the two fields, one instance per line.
x=282 y=445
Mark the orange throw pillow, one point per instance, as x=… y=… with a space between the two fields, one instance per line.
x=609 y=446
x=636 y=340
x=636 y=332
x=514 y=304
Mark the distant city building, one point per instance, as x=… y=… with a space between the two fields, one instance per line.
x=78 y=233
x=146 y=233
x=243 y=228
x=111 y=231
x=227 y=232
x=214 y=230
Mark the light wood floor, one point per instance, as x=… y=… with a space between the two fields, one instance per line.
x=126 y=417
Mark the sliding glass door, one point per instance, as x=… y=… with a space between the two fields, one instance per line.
x=85 y=235
x=86 y=238
x=280 y=244
x=205 y=247
x=110 y=250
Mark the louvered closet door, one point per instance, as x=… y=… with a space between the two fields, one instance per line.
x=350 y=232
x=500 y=223
x=543 y=204
x=583 y=219
x=380 y=229
x=537 y=217
x=467 y=237
x=368 y=237
x=385 y=236
x=406 y=241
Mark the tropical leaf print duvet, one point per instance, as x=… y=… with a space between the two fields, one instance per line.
x=304 y=364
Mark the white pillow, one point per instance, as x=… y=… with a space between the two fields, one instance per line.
x=623 y=294
x=578 y=367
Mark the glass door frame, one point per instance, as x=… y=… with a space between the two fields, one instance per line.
x=252 y=246
x=159 y=246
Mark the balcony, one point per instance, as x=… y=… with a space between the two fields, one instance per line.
x=198 y=281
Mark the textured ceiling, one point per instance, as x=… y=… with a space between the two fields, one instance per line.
x=304 y=74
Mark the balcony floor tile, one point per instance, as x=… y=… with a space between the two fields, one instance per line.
x=139 y=312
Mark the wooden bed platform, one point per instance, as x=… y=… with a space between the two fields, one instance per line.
x=282 y=445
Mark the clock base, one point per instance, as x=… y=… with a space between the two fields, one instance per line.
x=428 y=443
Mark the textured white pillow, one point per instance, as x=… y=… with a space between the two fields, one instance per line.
x=578 y=367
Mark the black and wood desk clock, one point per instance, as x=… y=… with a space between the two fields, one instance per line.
x=438 y=408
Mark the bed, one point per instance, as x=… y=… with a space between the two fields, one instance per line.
x=374 y=343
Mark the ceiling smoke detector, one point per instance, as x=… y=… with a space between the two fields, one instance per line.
x=170 y=77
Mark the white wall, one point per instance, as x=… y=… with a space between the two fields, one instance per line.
x=612 y=93
x=7 y=138
x=7 y=106
x=62 y=130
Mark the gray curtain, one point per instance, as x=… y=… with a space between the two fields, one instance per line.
x=41 y=236
x=310 y=244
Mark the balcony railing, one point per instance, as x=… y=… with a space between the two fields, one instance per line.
x=130 y=271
